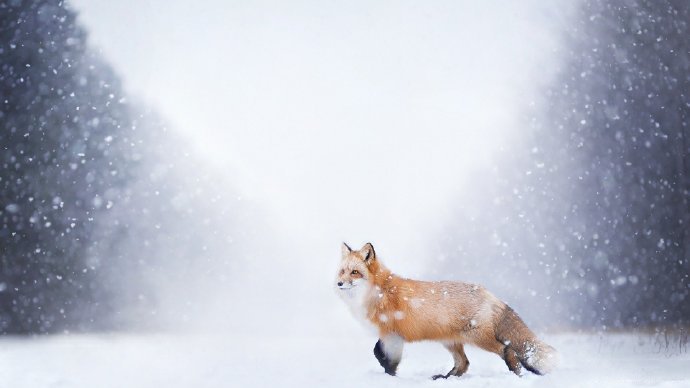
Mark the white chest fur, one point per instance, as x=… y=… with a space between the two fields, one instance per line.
x=357 y=299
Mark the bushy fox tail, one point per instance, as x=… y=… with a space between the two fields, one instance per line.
x=539 y=357
x=523 y=346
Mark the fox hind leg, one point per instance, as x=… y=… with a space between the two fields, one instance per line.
x=460 y=359
x=388 y=351
x=505 y=350
x=511 y=358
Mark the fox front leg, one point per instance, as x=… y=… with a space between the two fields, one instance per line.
x=460 y=359
x=388 y=350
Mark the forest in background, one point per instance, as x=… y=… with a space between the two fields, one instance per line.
x=591 y=209
x=99 y=201
x=583 y=219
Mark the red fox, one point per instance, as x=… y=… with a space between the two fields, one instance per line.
x=455 y=314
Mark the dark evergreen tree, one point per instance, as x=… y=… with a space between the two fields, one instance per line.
x=61 y=115
x=590 y=212
x=623 y=101
x=100 y=203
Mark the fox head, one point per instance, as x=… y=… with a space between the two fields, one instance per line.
x=355 y=267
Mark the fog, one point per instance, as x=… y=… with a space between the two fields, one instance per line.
x=176 y=180
x=351 y=121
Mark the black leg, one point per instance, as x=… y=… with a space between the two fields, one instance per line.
x=390 y=366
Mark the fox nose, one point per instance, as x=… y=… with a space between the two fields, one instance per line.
x=340 y=284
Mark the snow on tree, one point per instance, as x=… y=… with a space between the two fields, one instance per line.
x=589 y=216
x=61 y=114
x=97 y=197
x=623 y=102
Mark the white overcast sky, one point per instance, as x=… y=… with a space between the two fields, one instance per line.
x=346 y=120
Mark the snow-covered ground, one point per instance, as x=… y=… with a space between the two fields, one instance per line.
x=168 y=360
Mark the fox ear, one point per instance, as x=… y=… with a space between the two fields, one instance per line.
x=346 y=250
x=368 y=253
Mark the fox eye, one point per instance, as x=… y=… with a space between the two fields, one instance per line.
x=354 y=272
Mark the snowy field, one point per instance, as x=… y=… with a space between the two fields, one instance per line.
x=167 y=360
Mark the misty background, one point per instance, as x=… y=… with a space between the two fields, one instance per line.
x=172 y=165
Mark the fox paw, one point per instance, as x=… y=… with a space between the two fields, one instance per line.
x=453 y=372
x=436 y=377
